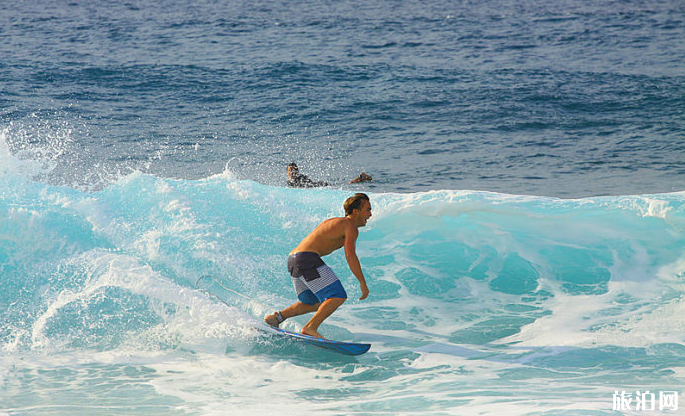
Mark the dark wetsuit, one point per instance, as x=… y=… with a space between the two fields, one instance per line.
x=302 y=181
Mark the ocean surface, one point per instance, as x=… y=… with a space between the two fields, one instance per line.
x=526 y=254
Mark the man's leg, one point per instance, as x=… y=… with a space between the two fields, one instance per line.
x=307 y=303
x=295 y=309
x=325 y=310
x=298 y=309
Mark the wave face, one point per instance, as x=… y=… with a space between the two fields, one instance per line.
x=463 y=284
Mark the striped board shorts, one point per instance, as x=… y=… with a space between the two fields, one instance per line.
x=314 y=281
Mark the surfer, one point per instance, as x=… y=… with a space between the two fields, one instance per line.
x=298 y=180
x=318 y=288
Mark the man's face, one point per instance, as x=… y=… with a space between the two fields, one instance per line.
x=364 y=213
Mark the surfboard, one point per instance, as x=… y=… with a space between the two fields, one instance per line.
x=347 y=348
x=207 y=284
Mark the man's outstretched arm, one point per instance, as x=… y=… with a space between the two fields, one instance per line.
x=351 y=234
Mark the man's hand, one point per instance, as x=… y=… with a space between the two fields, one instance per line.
x=365 y=291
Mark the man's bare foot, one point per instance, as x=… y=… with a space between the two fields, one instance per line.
x=311 y=333
x=272 y=320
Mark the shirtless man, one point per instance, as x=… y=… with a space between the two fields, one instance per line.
x=318 y=288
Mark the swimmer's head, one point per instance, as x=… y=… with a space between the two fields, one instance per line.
x=293 y=169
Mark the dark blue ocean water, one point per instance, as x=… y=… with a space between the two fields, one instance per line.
x=560 y=98
x=525 y=254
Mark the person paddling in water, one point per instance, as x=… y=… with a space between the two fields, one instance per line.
x=318 y=288
x=298 y=180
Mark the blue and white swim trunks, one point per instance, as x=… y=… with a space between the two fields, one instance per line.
x=314 y=281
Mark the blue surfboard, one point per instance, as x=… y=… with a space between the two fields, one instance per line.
x=206 y=284
x=347 y=348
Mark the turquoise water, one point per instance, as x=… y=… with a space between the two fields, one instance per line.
x=525 y=254
x=481 y=302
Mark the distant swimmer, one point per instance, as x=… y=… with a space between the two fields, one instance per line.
x=298 y=180
x=363 y=177
x=318 y=288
